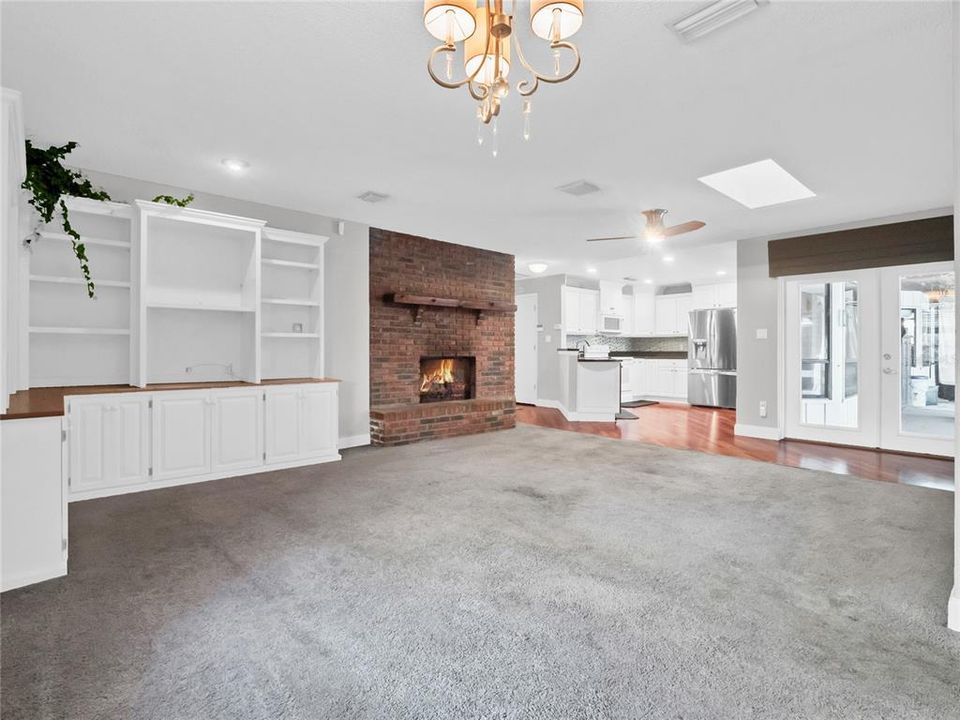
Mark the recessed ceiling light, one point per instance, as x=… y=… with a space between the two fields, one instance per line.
x=234 y=165
x=370 y=196
x=647 y=281
x=710 y=17
x=668 y=258
x=721 y=273
x=537 y=268
x=579 y=187
x=758 y=184
x=592 y=270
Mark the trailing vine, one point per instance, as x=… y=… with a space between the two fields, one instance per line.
x=48 y=182
x=171 y=200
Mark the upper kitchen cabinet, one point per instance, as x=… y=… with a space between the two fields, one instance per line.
x=644 y=314
x=580 y=310
x=671 y=314
x=611 y=298
x=714 y=295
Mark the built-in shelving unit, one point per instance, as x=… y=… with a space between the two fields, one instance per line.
x=183 y=295
x=291 y=306
x=71 y=339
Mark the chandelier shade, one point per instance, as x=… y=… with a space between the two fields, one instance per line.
x=475 y=52
x=548 y=16
x=450 y=21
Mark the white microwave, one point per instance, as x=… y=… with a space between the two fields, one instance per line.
x=611 y=324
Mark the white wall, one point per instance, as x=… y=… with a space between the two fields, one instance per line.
x=954 y=604
x=347 y=311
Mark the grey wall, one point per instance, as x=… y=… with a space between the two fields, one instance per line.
x=347 y=316
x=757 y=308
x=549 y=302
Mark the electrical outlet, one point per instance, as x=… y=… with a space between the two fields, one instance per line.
x=763 y=408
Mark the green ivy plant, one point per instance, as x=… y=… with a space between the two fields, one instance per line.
x=48 y=183
x=171 y=200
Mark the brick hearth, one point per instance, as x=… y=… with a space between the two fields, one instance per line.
x=400 y=335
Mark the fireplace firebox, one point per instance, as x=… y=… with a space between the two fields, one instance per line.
x=446 y=378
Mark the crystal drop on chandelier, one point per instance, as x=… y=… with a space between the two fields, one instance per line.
x=527 y=109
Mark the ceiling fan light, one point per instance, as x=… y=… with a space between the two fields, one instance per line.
x=438 y=22
x=542 y=16
x=475 y=53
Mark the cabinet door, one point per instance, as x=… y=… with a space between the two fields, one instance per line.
x=638 y=379
x=181 y=434
x=318 y=420
x=704 y=296
x=571 y=309
x=665 y=379
x=589 y=310
x=237 y=426
x=644 y=314
x=282 y=423
x=684 y=306
x=666 y=315
x=680 y=382
x=129 y=436
x=727 y=295
x=88 y=445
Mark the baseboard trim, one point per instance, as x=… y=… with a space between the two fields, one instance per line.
x=953 y=609
x=757 y=431
x=555 y=404
x=31 y=578
x=350 y=441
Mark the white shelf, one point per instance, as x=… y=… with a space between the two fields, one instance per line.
x=63 y=280
x=195 y=306
x=290 y=263
x=78 y=331
x=290 y=301
x=294 y=238
x=63 y=237
x=289 y=335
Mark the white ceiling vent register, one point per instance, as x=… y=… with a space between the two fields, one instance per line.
x=579 y=187
x=712 y=17
x=372 y=197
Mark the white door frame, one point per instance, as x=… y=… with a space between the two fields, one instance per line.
x=892 y=437
x=866 y=433
x=528 y=394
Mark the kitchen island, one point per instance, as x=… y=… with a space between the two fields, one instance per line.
x=589 y=388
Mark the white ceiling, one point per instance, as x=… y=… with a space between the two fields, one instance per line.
x=328 y=99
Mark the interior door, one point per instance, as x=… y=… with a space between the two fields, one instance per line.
x=832 y=346
x=918 y=374
x=525 y=371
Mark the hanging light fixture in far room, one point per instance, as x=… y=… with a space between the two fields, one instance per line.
x=485 y=27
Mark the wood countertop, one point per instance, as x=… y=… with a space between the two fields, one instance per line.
x=48 y=401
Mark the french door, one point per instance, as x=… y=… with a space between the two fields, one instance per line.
x=870 y=358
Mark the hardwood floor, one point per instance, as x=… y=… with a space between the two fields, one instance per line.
x=710 y=430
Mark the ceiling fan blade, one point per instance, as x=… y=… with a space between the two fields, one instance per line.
x=683 y=228
x=618 y=237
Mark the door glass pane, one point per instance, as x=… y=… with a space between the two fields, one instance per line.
x=829 y=349
x=927 y=354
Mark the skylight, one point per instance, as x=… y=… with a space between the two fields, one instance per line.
x=758 y=184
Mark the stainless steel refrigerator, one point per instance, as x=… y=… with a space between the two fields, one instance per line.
x=712 y=358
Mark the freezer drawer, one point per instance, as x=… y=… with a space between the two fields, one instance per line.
x=713 y=388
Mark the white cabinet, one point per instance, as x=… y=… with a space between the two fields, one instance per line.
x=671 y=316
x=109 y=441
x=580 y=310
x=660 y=378
x=611 y=298
x=714 y=295
x=644 y=314
x=318 y=420
x=282 y=423
x=237 y=429
x=181 y=434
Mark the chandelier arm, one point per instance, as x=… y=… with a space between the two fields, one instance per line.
x=449 y=47
x=527 y=87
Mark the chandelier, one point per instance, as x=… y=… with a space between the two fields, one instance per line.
x=485 y=27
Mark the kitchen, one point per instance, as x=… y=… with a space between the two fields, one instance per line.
x=641 y=328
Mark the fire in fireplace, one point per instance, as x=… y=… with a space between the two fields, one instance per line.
x=446 y=378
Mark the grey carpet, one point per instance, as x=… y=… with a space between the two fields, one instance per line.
x=529 y=573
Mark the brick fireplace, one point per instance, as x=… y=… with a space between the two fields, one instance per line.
x=441 y=339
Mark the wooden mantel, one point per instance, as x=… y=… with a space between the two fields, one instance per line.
x=421 y=301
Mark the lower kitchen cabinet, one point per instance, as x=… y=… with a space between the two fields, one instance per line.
x=126 y=442
x=655 y=378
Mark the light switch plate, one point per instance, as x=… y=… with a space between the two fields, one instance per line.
x=546 y=338
x=761 y=333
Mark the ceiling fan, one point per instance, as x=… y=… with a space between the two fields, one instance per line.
x=655 y=230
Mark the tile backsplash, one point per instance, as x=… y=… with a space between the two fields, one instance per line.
x=634 y=344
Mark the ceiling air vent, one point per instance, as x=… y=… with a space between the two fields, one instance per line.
x=372 y=197
x=713 y=16
x=579 y=188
